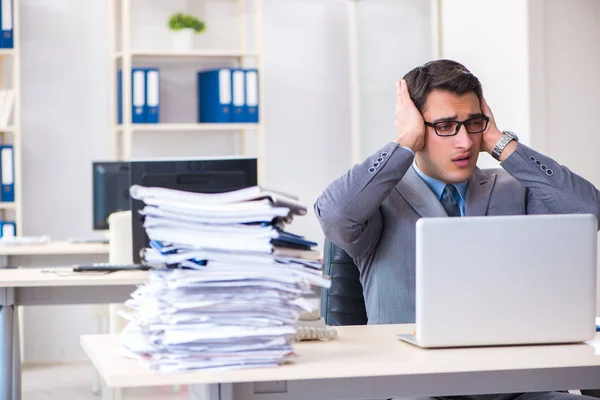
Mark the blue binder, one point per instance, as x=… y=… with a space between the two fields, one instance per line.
x=152 y=106
x=7 y=173
x=6 y=20
x=238 y=100
x=138 y=96
x=214 y=96
x=252 y=95
x=8 y=229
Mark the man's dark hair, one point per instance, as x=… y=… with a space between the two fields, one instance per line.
x=445 y=75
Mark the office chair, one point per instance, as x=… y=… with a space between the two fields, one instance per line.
x=343 y=303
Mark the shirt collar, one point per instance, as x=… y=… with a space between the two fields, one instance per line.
x=438 y=186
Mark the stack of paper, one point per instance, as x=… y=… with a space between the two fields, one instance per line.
x=228 y=281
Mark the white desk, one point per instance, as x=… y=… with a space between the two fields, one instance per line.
x=50 y=286
x=369 y=362
x=54 y=248
x=57 y=253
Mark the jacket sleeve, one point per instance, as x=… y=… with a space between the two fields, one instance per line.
x=552 y=188
x=348 y=209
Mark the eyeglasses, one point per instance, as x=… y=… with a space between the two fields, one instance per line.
x=451 y=128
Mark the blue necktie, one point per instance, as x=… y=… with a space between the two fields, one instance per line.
x=449 y=202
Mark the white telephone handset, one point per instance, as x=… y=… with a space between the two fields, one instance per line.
x=312 y=327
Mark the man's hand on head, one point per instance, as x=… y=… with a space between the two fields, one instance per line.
x=409 y=121
x=492 y=134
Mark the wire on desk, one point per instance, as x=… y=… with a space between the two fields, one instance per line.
x=65 y=274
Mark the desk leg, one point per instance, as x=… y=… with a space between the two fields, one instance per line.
x=16 y=379
x=216 y=391
x=7 y=330
x=107 y=393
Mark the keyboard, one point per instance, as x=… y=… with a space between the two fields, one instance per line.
x=106 y=267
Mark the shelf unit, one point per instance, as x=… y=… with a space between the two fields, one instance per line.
x=193 y=127
x=125 y=57
x=187 y=55
x=10 y=78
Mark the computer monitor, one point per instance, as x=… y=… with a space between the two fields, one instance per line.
x=202 y=175
x=110 y=190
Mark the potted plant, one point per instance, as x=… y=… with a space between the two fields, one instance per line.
x=183 y=27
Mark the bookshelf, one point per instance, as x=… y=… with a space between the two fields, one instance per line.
x=10 y=78
x=192 y=127
x=246 y=52
x=187 y=55
x=10 y=67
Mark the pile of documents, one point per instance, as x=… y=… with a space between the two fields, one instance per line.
x=227 y=284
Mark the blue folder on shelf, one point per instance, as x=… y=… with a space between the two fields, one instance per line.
x=138 y=96
x=8 y=229
x=252 y=97
x=6 y=21
x=7 y=173
x=239 y=111
x=152 y=104
x=214 y=96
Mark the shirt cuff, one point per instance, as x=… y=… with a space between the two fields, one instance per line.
x=404 y=147
x=409 y=149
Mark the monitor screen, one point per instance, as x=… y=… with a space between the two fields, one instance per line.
x=110 y=181
x=208 y=175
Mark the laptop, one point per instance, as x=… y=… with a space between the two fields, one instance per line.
x=505 y=280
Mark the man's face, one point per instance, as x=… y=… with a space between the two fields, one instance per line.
x=450 y=159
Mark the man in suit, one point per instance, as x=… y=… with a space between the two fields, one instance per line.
x=443 y=122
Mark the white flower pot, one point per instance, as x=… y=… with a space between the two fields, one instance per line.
x=183 y=39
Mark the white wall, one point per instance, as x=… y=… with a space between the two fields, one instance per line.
x=572 y=80
x=64 y=127
x=64 y=68
x=307 y=99
x=65 y=59
x=571 y=40
x=490 y=39
x=392 y=37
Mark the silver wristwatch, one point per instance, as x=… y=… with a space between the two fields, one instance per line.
x=506 y=139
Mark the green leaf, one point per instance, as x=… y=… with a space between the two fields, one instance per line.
x=179 y=21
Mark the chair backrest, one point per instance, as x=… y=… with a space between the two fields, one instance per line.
x=343 y=303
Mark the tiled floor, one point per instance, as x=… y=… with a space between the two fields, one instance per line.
x=74 y=382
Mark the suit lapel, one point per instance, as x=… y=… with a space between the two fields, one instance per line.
x=479 y=192
x=419 y=195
